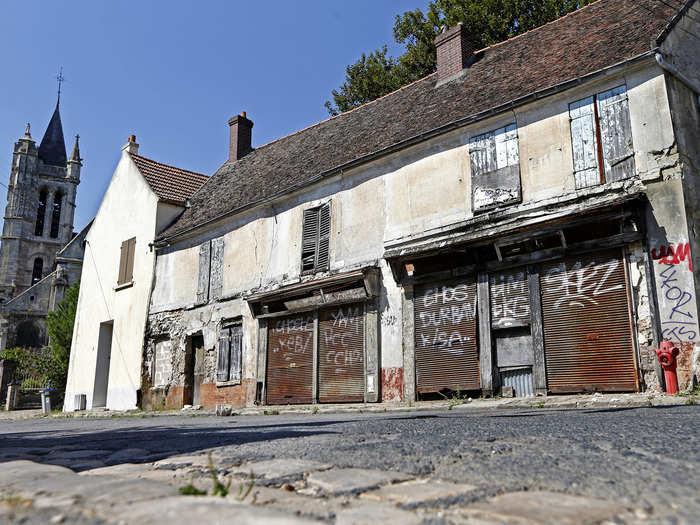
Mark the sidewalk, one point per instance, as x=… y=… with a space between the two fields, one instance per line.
x=578 y=401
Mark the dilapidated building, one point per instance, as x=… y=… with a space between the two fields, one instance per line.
x=524 y=218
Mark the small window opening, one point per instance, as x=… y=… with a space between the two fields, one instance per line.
x=37 y=270
x=56 y=214
x=40 y=213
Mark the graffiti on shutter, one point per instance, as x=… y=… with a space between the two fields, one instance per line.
x=203 y=277
x=324 y=236
x=236 y=353
x=510 y=298
x=495 y=166
x=616 y=134
x=341 y=354
x=290 y=359
x=217 y=268
x=587 y=330
x=309 y=239
x=445 y=336
x=222 y=366
x=584 y=143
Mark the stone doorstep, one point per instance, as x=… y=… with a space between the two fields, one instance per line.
x=544 y=508
x=419 y=492
x=352 y=480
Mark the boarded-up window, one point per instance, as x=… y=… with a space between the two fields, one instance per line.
x=601 y=137
x=126 y=261
x=230 y=354
x=495 y=165
x=315 y=239
x=211 y=272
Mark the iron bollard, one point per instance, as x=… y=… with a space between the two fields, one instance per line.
x=667 y=354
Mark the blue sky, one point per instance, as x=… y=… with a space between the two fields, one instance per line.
x=173 y=72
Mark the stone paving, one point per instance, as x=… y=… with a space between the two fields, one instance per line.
x=119 y=476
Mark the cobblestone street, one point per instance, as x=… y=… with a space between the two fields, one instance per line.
x=624 y=465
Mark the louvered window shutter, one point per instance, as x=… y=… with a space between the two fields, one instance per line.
x=203 y=277
x=236 y=353
x=309 y=239
x=616 y=134
x=122 y=262
x=222 y=367
x=324 y=237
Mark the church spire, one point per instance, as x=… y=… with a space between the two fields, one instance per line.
x=52 y=149
x=75 y=154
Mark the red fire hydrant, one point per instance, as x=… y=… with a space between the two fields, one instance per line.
x=667 y=354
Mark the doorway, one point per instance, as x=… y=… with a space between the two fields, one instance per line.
x=194 y=369
x=104 y=356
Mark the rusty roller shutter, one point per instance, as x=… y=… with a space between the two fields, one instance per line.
x=341 y=347
x=445 y=336
x=587 y=324
x=290 y=360
x=510 y=298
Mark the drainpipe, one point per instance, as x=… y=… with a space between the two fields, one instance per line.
x=674 y=71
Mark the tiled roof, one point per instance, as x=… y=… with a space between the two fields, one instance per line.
x=593 y=38
x=169 y=183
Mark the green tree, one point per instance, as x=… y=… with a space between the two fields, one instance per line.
x=59 y=325
x=487 y=21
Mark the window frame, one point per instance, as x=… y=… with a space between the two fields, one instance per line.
x=321 y=242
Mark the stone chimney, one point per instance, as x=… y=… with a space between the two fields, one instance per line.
x=241 y=136
x=131 y=146
x=455 y=51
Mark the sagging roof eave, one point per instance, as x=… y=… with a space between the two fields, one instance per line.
x=459 y=123
x=674 y=21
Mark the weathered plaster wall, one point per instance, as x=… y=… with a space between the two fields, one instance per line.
x=424 y=188
x=127 y=210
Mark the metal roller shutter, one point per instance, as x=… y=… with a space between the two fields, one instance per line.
x=445 y=336
x=290 y=360
x=341 y=346
x=587 y=324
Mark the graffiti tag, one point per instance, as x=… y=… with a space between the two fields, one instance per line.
x=668 y=254
x=581 y=285
x=680 y=319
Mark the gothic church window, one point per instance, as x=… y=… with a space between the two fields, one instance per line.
x=40 y=213
x=56 y=214
x=37 y=270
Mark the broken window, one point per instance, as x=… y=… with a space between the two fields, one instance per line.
x=228 y=366
x=126 y=262
x=315 y=239
x=601 y=138
x=211 y=272
x=495 y=165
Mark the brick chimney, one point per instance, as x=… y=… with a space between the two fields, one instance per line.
x=131 y=146
x=455 y=51
x=241 y=135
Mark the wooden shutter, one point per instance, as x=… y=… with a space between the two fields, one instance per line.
x=130 y=252
x=203 y=277
x=445 y=336
x=616 y=134
x=495 y=165
x=584 y=143
x=236 y=353
x=290 y=359
x=223 y=362
x=341 y=354
x=309 y=239
x=122 y=262
x=217 y=268
x=587 y=327
x=324 y=236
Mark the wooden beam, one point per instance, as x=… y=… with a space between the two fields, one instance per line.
x=539 y=374
x=486 y=364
